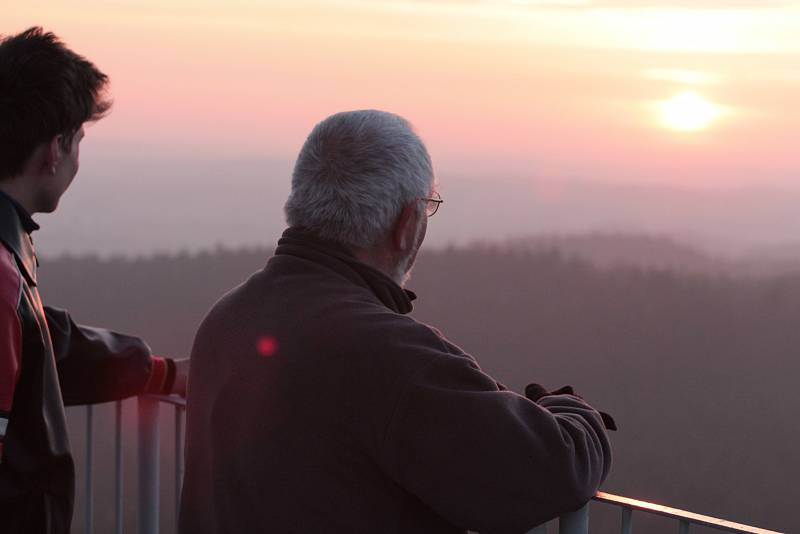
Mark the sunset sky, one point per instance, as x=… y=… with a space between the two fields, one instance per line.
x=687 y=93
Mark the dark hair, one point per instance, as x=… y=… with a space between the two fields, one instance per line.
x=45 y=90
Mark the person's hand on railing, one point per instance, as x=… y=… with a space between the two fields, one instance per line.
x=535 y=392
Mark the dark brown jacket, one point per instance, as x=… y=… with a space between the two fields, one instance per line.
x=316 y=405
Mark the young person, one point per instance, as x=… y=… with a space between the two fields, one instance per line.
x=47 y=361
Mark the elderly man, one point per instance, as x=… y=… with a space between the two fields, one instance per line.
x=316 y=404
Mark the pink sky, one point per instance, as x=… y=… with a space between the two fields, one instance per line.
x=558 y=89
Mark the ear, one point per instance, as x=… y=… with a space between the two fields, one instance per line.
x=405 y=227
x=52 y=154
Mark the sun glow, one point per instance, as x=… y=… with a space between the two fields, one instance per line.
x=688 y=111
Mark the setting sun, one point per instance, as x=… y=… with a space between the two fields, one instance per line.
x=688 y=111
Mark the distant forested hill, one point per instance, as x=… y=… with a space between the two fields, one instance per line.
x=700 y=369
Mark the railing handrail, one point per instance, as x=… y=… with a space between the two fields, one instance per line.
x=175 y=400
x=149 y=496
x=682 y=515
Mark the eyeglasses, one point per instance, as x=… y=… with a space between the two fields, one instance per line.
x=432 y=204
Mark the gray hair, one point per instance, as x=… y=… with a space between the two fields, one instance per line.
x=355 y=173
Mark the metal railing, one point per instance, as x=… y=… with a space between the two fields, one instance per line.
x=578 y=522
x=148 y=441
x=149 y=502
x=685 y=519
x=149 y=458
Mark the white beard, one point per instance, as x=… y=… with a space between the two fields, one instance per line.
x=402 y=271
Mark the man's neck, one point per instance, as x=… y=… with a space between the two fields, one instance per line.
x=24 y=213
x=16 y=189
x=377 y=258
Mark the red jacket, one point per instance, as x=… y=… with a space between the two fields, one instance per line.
x=47 y=362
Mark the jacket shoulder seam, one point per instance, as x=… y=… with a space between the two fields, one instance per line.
x=8 y=264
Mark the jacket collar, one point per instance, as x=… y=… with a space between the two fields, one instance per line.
x=28 y=224
x=302 y=243
x=14 y=235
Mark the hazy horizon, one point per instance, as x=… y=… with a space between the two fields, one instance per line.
x=140 y=205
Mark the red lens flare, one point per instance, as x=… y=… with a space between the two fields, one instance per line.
x=266 y=346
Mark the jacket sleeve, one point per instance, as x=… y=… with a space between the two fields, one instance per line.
x=97 y=365
x=490 y=460
x=10 y=340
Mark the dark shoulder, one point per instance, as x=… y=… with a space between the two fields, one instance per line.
x=396 y=338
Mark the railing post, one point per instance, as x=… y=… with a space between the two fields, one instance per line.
x=89 y=504
x=627 y=520
x=148 y=465
x=576 y=522
x=179 y=459
x=118 y=457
